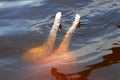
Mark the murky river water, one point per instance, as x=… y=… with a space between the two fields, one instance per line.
x=95 y=47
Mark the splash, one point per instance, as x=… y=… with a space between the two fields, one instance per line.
x=45 y=52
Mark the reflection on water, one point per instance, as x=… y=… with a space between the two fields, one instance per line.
x=108 y=60
x=58 y=75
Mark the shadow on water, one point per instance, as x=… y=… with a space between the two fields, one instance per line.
x=108 y=60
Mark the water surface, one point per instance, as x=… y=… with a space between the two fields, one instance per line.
x=25 y=24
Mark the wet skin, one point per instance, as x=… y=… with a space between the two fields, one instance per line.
x=45 y=52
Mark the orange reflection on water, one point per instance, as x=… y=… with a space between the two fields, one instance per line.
x=45 y=52
x=108 y=60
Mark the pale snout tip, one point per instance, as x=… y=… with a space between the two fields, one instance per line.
x=58 y=15
x=77 y=17
x=77 y=21
x=57 y=18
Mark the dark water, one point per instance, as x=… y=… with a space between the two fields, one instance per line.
x=25 y=24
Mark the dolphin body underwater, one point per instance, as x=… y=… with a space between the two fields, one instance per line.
x=45 y=52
